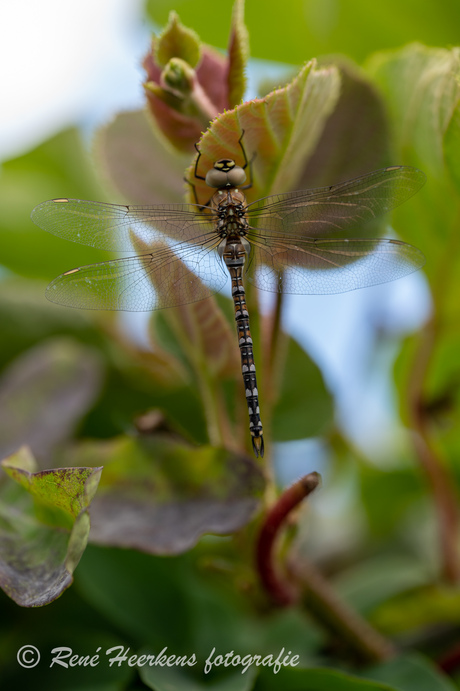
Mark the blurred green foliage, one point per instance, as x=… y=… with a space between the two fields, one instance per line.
x=308 y=28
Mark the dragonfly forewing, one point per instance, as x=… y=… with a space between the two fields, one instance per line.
x=110 y=226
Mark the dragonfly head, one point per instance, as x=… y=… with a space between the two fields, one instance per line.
x=225 y=173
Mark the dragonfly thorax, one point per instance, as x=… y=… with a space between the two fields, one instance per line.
x=229 y=206
x=225 y=173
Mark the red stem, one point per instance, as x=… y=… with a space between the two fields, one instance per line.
x=281 y=592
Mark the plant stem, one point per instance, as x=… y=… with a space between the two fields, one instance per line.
x=275 y=332
x=216 y=421
x=277 y=587
x=320 y=599
x=306 y=584
x=435 y=469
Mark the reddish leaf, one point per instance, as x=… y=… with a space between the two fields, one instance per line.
x=182 y=123
x=355 y=139
x=199 y=325
x=161 y=496
x=137 y=163
x=44 y=393
x=283 y=130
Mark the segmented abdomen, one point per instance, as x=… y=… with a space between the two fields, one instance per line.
x=234 y=257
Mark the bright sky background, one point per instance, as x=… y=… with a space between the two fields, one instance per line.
x=66 y=62
x=78 y=62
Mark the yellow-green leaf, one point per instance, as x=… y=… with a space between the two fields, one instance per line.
x=177 y=41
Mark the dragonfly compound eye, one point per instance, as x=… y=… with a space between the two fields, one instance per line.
x=236 y=176
x=217 y=178
x=225 y=175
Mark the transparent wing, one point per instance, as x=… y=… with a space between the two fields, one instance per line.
x=122 y=228
x=328 y=211
x=162 y=278
x=328 y=266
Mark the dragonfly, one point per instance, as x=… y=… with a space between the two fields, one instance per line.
x=309 y=242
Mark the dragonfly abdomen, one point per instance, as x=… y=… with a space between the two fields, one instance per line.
x=234 y=256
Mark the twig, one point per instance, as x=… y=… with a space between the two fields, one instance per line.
x=275 y=333
x=320 y=599
x=305 y=584
x=438 y=476
x=280 y=591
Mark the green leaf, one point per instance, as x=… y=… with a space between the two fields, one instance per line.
x=288 y=627
x=69 y=489
x=143 y=596
x=374 y=581
x=427 y=606
x=283 y=129
x=452 y=147
x=171 y=679
x=161 y=496
x=411 y=673
x=422 y=89
x=146 y=596
x=238 y=55
x=177 y=41
x=59 y=167
x=44 y=528
x=421 y=86
x=376 y=484
x=27 y=317
x=304 y=407
x=304 y=28
x=294 y=679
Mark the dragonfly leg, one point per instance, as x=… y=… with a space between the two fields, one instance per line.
x=195 y=174
x=198 y=177
x=193 y=190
